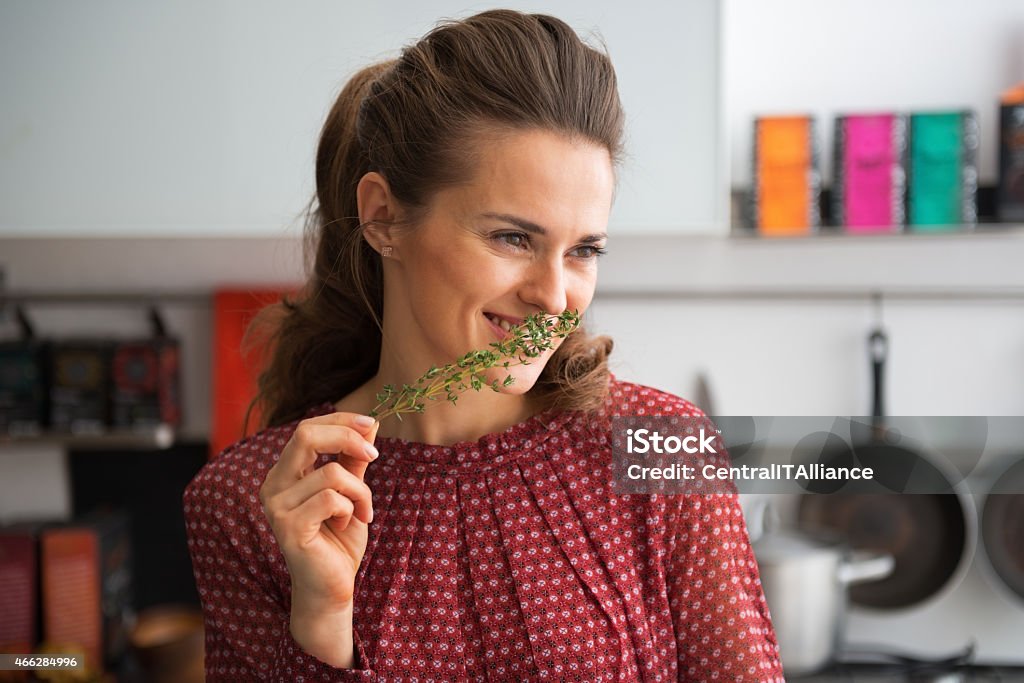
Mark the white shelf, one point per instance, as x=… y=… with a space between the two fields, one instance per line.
x=985 y=263
x=158 y=437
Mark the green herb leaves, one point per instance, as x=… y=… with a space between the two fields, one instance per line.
x=528 y=340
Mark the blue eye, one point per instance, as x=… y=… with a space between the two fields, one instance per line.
x=591 y=252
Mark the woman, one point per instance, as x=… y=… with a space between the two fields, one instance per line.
x=461 y=188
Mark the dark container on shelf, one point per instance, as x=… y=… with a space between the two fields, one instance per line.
x=80 y=386
x=145 y=383
x=23 y=387
x=1011 y=163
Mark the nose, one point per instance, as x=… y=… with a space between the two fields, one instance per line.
x=544 y=286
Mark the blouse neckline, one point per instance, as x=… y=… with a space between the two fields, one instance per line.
x=517 y=441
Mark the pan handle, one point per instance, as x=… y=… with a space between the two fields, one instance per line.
x=878 y=348
x=866 y=566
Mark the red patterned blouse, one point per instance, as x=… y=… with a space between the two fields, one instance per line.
x=502 y=559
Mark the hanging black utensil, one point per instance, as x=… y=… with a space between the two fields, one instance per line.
x=926 y=533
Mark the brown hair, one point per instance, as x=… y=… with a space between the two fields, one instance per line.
x=410 y=119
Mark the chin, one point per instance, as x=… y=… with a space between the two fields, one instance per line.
x=525 y=378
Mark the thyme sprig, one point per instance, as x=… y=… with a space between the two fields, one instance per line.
x=529 y=339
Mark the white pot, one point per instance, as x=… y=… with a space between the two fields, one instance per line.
x=805 y=585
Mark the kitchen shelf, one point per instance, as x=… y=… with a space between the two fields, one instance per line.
x=981 y=265
x=158 y=437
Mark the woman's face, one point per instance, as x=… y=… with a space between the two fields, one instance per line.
x=522 y=237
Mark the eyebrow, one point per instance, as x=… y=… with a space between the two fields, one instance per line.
x=530 y=226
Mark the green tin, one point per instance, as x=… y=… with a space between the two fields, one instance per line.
x=943 y=171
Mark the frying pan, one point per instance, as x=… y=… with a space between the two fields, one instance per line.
x=1002 y=527
x=928 y=534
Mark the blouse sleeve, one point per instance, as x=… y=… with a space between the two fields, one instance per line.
x=246 y=612
x=722 y=627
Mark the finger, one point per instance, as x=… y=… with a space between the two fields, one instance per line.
x=313 y=438
x=354 y=420
x=358 y=466
x=331 y=476
x=304 y=522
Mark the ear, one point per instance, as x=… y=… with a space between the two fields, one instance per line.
x=377 y=210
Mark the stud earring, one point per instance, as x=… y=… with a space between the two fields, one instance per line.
x=386 y=251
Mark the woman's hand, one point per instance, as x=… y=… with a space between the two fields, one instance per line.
x=320 y=517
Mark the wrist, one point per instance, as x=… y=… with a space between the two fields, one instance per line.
x=324 y=633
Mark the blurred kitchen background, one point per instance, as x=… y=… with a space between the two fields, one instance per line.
x=155 y=160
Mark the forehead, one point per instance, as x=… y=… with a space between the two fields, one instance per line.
x=541 y=176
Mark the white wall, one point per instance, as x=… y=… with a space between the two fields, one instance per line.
x=811 y=358
x=201 y=117
x=808 y=56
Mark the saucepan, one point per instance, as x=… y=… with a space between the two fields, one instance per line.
x=805 y=582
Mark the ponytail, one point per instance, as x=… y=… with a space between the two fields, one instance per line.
x=325 y=341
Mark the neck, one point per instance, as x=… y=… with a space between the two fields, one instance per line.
x=442 y=423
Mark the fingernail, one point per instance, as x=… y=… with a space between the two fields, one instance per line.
x=371 y=451
x=364 y=421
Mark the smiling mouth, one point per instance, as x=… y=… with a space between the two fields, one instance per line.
x=501 y=325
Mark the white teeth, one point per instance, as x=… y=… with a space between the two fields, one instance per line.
x=500 y=322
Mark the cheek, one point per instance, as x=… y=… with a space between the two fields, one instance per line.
x=437 y=278
x=581 y=290
x=465 y=271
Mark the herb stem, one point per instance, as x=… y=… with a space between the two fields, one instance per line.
x=527 y=340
